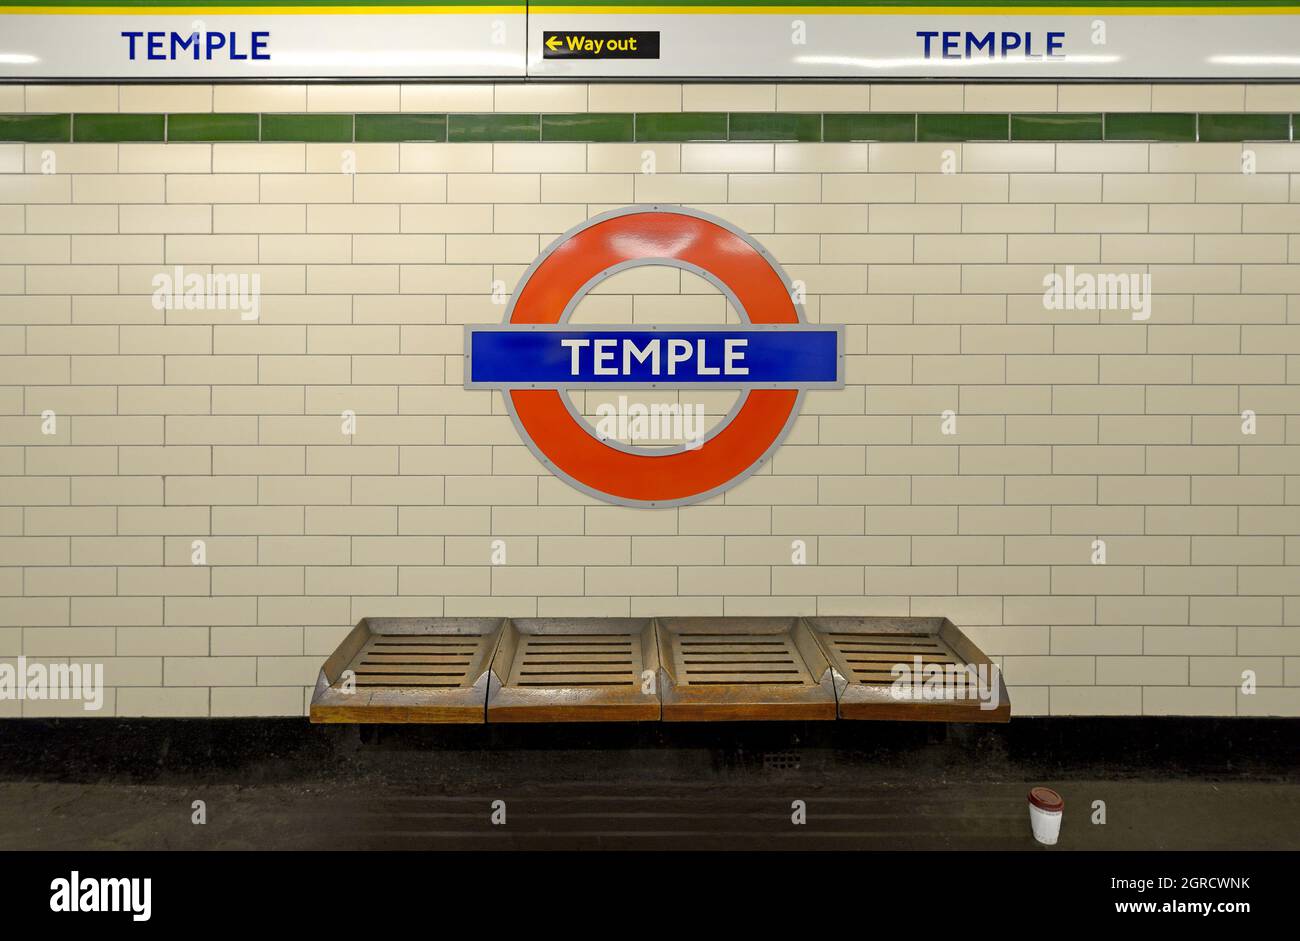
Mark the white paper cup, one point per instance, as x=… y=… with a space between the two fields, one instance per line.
x=1046 y=808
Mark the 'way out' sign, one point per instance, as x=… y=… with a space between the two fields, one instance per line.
x=601 y=44
x=537 y=355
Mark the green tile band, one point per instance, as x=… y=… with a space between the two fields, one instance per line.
x=1055 y=127
x=314 y=128
x=36 y=128
x=681 y=126
x=592 y=128
x=214 y=127
x=118 y=128
x=1244 y=127
x=651 y=127
x=487 y=128
x=390 y=128
x=962 y=127
x=1152 y=126
x=777 y=126
x=840 y=127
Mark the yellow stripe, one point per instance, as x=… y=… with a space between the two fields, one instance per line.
x=1225 y=10
x=257 y=11
x=560 y=8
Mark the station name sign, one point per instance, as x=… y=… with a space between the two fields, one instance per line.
x=167 y=40
x=557 y=357
x=537 y=356
x=631 y=39
x=163 y=46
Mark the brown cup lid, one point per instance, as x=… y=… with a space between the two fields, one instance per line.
x=1044 y=798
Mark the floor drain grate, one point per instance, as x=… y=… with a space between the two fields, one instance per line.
x=781 y=761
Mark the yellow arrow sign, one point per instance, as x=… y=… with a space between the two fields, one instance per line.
x=596 y=44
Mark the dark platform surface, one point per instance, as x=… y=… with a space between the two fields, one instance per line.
x=282 y=783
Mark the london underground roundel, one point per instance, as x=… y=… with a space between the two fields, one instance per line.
x=536 y=355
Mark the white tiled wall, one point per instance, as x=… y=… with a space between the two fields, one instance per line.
x=1072 y=426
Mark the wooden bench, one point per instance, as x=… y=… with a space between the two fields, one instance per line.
x=675 y=669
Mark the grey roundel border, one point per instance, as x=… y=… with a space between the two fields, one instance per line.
x=631 y=211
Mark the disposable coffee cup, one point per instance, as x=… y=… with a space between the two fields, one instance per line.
x=1045 y=811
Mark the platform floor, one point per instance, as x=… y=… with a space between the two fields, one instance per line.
x=281 y=784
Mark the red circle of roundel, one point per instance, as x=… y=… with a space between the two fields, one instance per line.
x=646 y=236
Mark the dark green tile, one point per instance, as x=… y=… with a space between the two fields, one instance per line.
x=1235 y=127
x=602 y=128
x=960 y=127
x=314 y=128
x=750 y=125
x=1157 y=126
x=36 y=128
x=1056 y=127
x=111 y=128
x=681 y=126
x=843 y=126
x=212 y=127
x=381 y=128
x=463 y=128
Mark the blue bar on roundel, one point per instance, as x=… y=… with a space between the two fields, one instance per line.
x=562 y=357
